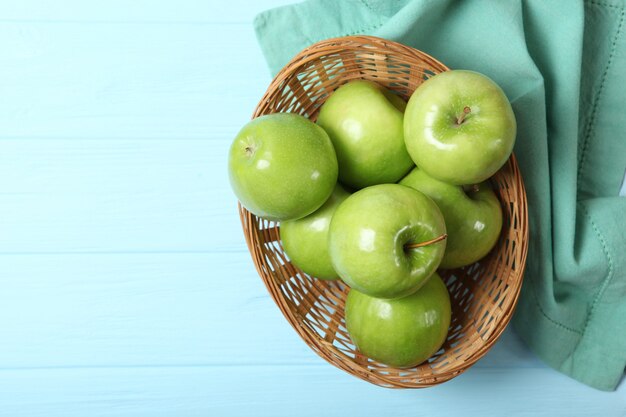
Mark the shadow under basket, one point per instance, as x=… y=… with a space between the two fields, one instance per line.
x=483 y=295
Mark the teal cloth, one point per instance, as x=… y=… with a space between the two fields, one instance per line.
x=563 y=66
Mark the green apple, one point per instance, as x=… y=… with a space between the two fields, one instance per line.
x=402 y=333
x=459 y=127
x=386 y=240
x=305 y=240
x=364 y=121
x=282 y=166
x=473 y=217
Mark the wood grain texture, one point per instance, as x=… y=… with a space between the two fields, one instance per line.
x=277 y=391
x=180 y=11
x=163 y=309
x=102 y=195
x=127 y=289
x=132 y=81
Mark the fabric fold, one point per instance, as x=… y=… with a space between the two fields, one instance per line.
x=563 y=66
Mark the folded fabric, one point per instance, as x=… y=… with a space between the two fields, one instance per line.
x=563 y=66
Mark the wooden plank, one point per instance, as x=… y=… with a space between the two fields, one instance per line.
x=126 y=286
x=135 y=81
x=124 y=310
x=204 y=11
x=155 y=309
x=114 y=195
x=289 y=391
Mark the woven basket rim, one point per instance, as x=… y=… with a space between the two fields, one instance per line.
x=255 y=244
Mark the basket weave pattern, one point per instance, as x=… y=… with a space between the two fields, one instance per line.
x=483 y=295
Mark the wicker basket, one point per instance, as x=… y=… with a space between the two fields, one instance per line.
x=483 y=295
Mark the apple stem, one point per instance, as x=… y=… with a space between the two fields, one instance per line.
x=428 y=242
x=461 y=118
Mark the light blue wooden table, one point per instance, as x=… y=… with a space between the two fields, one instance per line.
x=127 y=289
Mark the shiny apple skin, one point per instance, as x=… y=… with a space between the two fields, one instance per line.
x=368 y=234
x=282 y=166
x=365 y=123
x=465 y=153
x=473 y=217
x=305 y=240
x=404 y=332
